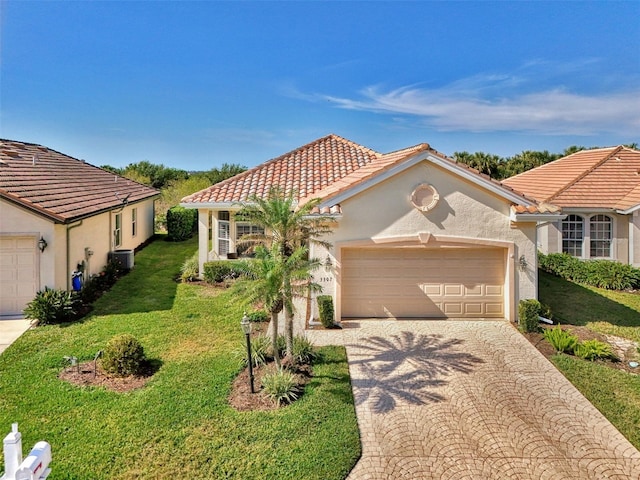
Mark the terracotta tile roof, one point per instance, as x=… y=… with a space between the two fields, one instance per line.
x=61 y=187
x=375 y=167
x=598 y=178
x=305 y=171
x=540 y=208
x=322 y=169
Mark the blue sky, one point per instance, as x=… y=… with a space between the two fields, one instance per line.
x=196 y=84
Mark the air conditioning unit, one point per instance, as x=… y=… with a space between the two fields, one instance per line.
x=124 y=258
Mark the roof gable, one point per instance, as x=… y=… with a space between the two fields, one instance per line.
x=598 y=178
x=305 y=171
x=61 y=187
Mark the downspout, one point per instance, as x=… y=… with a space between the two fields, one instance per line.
x=630 y=241
x=69 y=227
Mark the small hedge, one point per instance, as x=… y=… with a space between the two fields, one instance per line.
x=123 y=356
x=597 y=273
x=528 y=312
x=325 y=307
x=181 y=223
x=220 y=270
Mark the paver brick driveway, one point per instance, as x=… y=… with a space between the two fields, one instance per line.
x=471 y=400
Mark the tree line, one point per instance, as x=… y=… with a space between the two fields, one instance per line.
x=500 y=168
x=173 y=183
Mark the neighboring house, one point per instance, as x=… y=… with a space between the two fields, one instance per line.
x=599 y=192
x=417 y=235
x=58 y=213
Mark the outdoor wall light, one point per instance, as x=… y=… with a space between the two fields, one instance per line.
x=328 y=264
x=522 y=262
x=245 y=324
x=42 y=244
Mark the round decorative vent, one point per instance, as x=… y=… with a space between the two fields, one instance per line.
x=425 y=197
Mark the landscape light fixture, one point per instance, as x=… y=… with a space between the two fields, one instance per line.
x=246 y=328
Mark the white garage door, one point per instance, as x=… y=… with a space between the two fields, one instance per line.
x=18 y=273
x=413 y=282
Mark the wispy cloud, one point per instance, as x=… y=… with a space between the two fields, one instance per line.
x=504 y=102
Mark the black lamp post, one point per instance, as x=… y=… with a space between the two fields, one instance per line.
x=246 y=328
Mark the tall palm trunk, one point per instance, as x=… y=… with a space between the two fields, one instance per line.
x=288 y=315
x=274 y=338
x=288 y=332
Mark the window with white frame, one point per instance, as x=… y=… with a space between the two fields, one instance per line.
x=601 y=233
x=244 y=228
x=224 y=233
x=573 y=235
x=117 y=231
x=134 y=222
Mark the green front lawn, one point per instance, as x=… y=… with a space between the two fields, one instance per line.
x=615 y=393
x=180 y=424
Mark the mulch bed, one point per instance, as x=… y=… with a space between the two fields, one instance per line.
x=241 y=397
x=85 y=375
x=622 y=348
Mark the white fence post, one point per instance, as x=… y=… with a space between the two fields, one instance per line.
x=34 y=467
x=12 y=449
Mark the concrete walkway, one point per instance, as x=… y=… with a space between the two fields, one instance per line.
x=10 y=330
x=470 y=400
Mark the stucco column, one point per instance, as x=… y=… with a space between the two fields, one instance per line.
x=203 y=240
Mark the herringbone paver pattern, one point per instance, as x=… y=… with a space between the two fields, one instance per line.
x=471 y=400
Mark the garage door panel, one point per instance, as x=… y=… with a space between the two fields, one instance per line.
x=494 y=290
x=494 y=309
x=18 y=273
x=414 y=282
x=453 y=290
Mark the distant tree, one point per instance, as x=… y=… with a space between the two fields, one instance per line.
x=573 y=149
x=633 y=145
x=227 y=170
x=158 y=176
x=524 y=161
x=483 y=162
x=109 y=168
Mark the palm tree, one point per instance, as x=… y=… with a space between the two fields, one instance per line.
x=287 y=232
x=265 y=285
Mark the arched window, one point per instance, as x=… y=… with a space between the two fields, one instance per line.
x=573 y=235
x=601 y=228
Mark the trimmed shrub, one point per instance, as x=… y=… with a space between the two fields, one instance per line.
x=217 y=271
x=561 y=340
x=281 y=387
x=598 y=273
x=181 y=223
x=53 y=306
x=123 y=356
x=220 y=270
x=593 y=350
x=325 y=308
x=189 y=269
x=528 y=312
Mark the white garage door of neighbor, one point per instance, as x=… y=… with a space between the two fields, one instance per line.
x=18 y=273
x=413 y=282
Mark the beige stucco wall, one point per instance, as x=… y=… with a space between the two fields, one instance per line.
x=93 y=233
x=465 y=213
x=635 y=234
